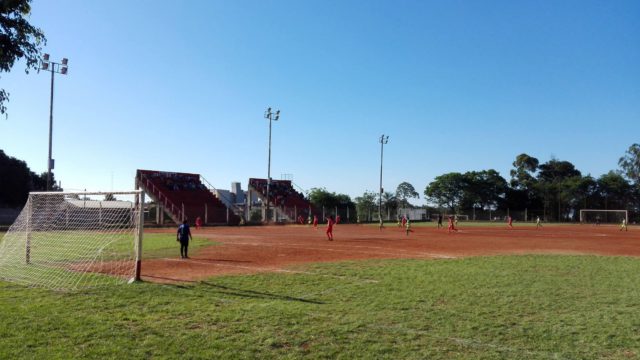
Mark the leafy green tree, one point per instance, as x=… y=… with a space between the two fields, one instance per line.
x=404 y=192
x=484 y=189
x=614 y=190
x=18 y=39
x=522 y=175
x=447 y=190
x=320 y=197
x=389 y=203
x=630 y=163
x=365 y=205
x=16 y=181
x=551 y=177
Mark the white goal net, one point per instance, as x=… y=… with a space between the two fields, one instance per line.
x=67 y=241
x=596 y=216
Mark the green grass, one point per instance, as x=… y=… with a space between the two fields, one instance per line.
x=53 y=256
x=517 y=307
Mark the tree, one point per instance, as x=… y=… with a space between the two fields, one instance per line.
x=404 y=192
x=320 y=197
x=484 y=189
x=18 y=39
x=389 y=202
x=522 y=176
x=551 y=180
x=446 y=190
x=630 y=163
x=16 y=181
x=614 y=190
x=365 y=205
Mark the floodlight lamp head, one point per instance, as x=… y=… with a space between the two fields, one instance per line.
x=63 y=70
x=277 y=115
x=45 y=65
x=46 y=57
x=65 y=61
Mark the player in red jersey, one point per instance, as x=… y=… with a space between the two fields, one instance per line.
x=510 y=222
x=337 y=219
x=198 y=223
x=315 y=222
x=404 y=221
x=451 y=225
x=330 y=223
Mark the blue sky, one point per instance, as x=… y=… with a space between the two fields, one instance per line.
x=457 y=85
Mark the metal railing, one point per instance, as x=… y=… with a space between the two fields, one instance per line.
x=176 y=213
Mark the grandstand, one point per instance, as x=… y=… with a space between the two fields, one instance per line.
x=286 y=201
x=184 y=196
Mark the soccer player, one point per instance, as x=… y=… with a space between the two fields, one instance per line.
x=337 y=219
x=315 y=222
x=404 y=220
x=408 y=226
x=330 y=223
x=510 y=221
x=198 y=223
x=452 y=227
x=538 y=223
x=440 y=221
x=623 y=225
x=455 y=220
x=183 y=237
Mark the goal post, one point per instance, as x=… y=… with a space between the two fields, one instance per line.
x=598 y=216
x=73 y=240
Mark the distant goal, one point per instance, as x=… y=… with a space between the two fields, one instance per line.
x=598 y=216
x=74 y=240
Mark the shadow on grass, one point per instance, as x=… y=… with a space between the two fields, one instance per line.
x=227 y=290
x=258 y=294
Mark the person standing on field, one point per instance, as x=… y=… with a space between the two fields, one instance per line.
x=510 y=221
x=623 y=225
x=408 y=226
x=440 y=221
x=184 y=235
x=198 y=223
x=451 y=225
x=538 y=223
x=315 y=222
x=330 y=223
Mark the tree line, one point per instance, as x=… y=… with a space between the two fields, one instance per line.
x=555 y=190
x=17 y=180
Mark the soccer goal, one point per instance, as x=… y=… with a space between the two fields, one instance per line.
x=597 y=216
x=74 y=240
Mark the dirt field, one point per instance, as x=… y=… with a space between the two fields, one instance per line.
x=253 y=249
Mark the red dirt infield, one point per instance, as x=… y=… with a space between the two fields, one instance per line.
x=254 y=249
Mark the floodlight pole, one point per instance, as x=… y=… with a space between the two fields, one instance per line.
x=383 y=141
x=272 y=117
x=53 y=68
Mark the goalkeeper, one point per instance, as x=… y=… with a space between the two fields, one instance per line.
x=184 y=235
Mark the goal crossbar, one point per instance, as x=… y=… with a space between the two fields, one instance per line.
x=593 y=215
